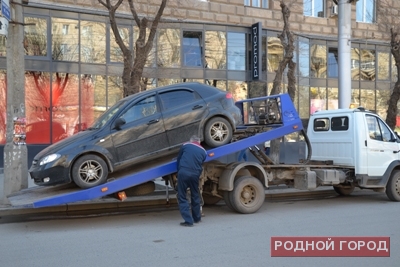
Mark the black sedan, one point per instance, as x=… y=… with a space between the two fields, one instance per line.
x=139 y=128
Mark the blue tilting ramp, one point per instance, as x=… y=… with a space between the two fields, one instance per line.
x=289 y=123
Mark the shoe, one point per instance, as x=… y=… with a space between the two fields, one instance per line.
x=198 y=221
x=186 y=224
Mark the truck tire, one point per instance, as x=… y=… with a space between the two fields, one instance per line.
x=227 y=195
x=141 y=189
x=218 y=132
x=248 y=195
x=89 y=171
x=393 y=186
x=210 y=200
x=343 y=191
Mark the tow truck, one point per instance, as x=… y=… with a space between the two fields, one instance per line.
x=345 y=148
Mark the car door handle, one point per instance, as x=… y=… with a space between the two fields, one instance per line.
x=153 y=121
x=197 y=107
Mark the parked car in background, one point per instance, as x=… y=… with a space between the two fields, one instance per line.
x=139 y=128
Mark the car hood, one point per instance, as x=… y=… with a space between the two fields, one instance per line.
x=77 y=139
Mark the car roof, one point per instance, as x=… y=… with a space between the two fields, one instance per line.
x=203 y=89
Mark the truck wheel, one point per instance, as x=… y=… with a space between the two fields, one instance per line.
x=218 y=132
x=210 y=200
x=226 y=195
x=343 y=191
x=393 y=187
x=140 y=190
x=248 y=195
x=89 y=171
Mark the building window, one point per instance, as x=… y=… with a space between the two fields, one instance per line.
x=367 y=66
x=304 y=57
x=365 y=11
x=192 y=49
x=93 y=42
x=383 y=65
x=256 y=3
x=333 y=62
x=275 y=53
x=236 y=51
x=35 y=31
x=64 y=43
x=65 y=29
x=318 y=61
x=215 y=50
x=314 y=8
x=116 y=54
x=169 y=48
x=87 y=31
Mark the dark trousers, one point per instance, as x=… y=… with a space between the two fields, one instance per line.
x=186 y=179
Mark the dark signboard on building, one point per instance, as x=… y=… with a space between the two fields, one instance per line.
x=256 y=43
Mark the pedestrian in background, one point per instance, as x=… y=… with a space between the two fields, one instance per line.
x=190 y=165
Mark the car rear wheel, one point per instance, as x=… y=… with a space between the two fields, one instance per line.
x=218 y=132
x=89 y=171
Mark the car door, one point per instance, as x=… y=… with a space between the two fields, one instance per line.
x=183 y=111
x=143 y=133
x=382 y=146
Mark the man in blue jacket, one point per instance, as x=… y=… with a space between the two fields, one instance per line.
x=190 y=165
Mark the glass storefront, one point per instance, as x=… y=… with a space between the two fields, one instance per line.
x=74 y=68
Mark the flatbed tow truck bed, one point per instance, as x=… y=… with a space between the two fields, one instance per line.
x=40 y=196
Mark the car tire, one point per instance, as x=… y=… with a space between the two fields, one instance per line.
x=89 y=171
x=218 y=132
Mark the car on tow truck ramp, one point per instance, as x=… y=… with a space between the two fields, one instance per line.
x=137 y=129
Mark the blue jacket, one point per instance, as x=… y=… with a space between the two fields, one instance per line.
x=191 y=157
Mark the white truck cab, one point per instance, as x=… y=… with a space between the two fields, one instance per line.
x=359 y=139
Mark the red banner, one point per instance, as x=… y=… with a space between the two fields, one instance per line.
x=330 y=246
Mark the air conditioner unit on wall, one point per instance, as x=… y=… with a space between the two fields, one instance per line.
x=334 y=11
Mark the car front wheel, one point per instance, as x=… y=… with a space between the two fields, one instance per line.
x=89 y=171
x=218 y=132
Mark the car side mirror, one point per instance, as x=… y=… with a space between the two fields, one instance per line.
x=118 y=123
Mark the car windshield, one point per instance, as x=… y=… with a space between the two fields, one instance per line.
x=103 y=119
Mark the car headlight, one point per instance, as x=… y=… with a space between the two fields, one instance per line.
x=49 y=158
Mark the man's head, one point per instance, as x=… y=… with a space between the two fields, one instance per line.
x=195 y=139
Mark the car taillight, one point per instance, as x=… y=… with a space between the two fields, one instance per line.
x=228 y=95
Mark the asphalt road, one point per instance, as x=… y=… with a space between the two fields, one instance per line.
x=224 y=238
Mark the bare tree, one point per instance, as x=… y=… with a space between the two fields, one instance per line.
x=134 y=61
x=287 y=40
x=388 y=21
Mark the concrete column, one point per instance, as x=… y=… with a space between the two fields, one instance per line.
x=344 y=50
x=15 y=150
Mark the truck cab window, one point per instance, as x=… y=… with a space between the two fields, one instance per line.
x=378 y=130
x=387 y=135
x=321 y=124
x=340 y=123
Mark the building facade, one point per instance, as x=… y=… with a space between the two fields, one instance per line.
x=73 y=65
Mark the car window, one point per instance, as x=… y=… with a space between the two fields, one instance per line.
x=141 y=109
x=176 y=98
x=106 y=116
